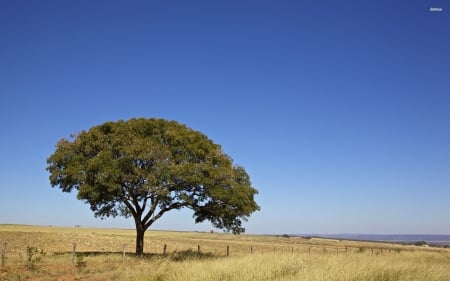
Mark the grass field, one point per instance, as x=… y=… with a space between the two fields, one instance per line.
x=250 y=257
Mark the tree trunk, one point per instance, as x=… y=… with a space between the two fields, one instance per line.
x=140 y=231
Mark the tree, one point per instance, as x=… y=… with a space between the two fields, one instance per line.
x=143 y=168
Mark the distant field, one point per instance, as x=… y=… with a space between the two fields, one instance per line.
x=249 y=257
x=433 y=239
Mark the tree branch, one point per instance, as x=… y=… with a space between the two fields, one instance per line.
x=154 y=204
x=130 y=207
x=144 y=204
x=136 y=204
x=125 y=196
x=176 y=205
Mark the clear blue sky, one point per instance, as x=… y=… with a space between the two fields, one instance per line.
x=338 y=110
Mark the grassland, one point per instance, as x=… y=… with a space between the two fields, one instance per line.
x=100 y=257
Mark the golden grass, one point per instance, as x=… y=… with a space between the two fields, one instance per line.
x=273 y=258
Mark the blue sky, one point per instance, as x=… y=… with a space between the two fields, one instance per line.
x=338 y=110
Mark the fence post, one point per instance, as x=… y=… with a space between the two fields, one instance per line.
x=123 y=252
x=309 y=250
x=4 y=253
x=164 y=249
x=198 y=249
x=251 y=249
x=292 y=250
x=74 y=247
x=228 y=250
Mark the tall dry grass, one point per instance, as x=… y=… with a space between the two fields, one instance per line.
x=342 y=267
x=273 y=258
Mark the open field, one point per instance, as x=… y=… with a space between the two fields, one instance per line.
x=250 y=257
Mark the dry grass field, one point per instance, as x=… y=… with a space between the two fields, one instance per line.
x=45 y=253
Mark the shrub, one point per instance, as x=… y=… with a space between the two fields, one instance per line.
x=34 y=256
x=361 y=250
x=80 y=263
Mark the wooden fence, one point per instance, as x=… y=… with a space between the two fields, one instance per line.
x=227 y=250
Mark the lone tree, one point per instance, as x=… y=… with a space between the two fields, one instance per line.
x=143 y=168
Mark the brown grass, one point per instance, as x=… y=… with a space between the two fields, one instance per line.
x=252 y=257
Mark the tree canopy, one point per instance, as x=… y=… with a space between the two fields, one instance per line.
x=143 y=168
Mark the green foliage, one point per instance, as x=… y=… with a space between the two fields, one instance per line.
x=146 y=167
x=34 y=256
x=189 y=255
x=80 y=262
